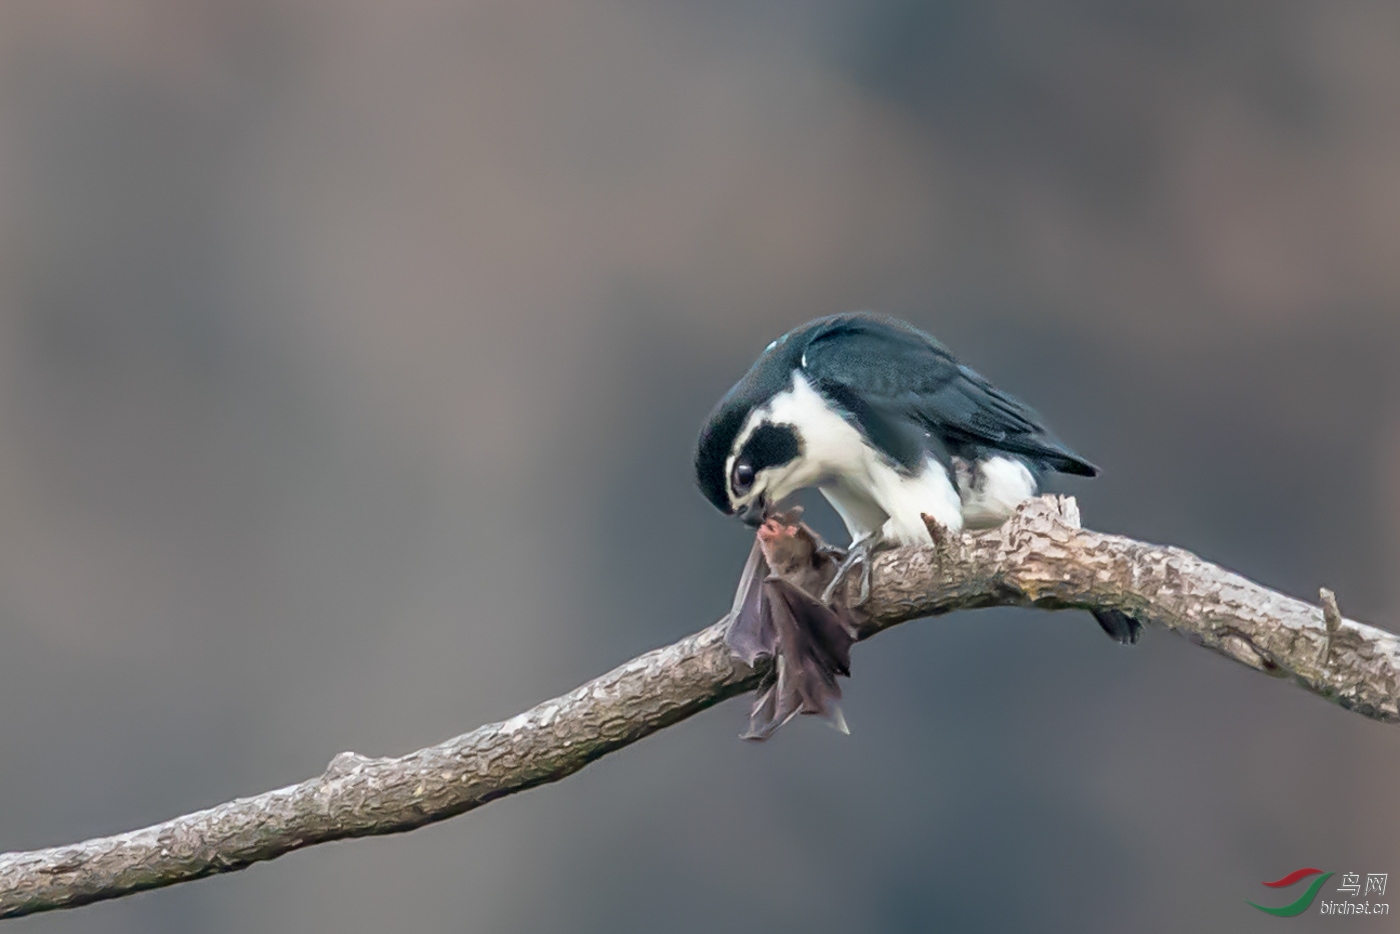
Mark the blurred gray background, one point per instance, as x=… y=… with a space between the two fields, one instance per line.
x=351 y=355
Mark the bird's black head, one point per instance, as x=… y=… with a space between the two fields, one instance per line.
x=738 y=444
x=712 y=452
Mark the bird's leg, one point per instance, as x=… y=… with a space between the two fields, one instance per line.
x=859 y=553
x=865 y=567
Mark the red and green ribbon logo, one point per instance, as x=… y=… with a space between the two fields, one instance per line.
x=1305 y=900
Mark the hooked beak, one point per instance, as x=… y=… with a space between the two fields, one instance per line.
x=754 y=513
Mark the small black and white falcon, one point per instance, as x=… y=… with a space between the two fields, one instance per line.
x=889 y=426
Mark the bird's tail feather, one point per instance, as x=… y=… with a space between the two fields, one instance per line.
x=1120 y=627
x=1048 y=452
x=1068 y=462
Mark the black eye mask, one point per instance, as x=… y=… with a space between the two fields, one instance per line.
x=769 y=446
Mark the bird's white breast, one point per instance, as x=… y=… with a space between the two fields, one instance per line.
x=870 y=493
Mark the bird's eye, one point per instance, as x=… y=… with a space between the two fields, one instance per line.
x=743 y=478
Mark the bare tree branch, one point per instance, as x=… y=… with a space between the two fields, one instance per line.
x=1040 y=558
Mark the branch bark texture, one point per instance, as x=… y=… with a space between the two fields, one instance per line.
x=1041 y=558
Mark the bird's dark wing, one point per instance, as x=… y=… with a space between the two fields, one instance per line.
x=896 y=381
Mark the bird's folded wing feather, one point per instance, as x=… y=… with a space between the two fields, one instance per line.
x=882 y=374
